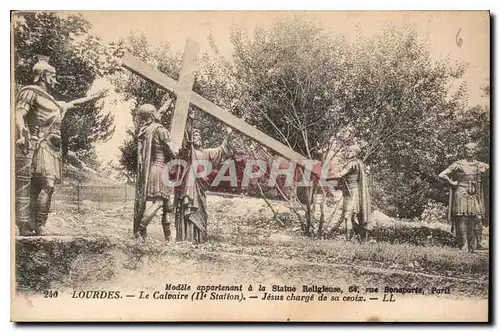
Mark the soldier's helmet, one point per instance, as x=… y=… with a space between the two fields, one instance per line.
x=41 y=67
x=147 y=110
x=470 y=145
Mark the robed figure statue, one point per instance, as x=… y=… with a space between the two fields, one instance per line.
x=191 y=200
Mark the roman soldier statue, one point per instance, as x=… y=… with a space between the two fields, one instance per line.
x=154 y=151
x=38 y=118
x=466 y=210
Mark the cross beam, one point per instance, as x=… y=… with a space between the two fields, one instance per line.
x=185 y=95
x=185 y=86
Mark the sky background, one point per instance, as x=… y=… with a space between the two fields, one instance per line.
x=440 y=29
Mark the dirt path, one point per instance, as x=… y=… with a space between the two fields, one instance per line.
x=97 y=252
x=133 y=265
x=183 y=264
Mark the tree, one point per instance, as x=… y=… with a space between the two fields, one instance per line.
x=140 y=91
x=410 y=120
x=286 y=81
x=79 y=59
x=399 y=102
x=209 y=82
x=317 y=93
x=287 y=92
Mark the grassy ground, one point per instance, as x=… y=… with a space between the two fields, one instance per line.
x=245 y=245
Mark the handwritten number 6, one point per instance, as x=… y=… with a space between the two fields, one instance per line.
x=459 y=39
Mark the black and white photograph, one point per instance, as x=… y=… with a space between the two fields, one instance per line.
x=250 y=166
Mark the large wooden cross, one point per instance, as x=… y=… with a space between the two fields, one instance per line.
x=185 y=96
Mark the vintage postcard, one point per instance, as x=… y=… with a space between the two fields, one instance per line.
x=294 y=166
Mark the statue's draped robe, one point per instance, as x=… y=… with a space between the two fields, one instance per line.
x=144 y=148
x=192 y=222
x=356 y=198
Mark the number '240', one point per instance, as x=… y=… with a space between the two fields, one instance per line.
x=50 y=294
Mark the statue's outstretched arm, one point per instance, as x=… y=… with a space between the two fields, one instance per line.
x=78 y=102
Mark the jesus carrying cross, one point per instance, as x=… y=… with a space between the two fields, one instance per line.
x=191 y=201
x=191 y=213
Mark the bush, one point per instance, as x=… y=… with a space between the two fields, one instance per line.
x=41 y=262
x=408 y=233
x=422 y=235
x=435 y=212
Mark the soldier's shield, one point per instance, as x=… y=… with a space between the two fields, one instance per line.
x=23 y=207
